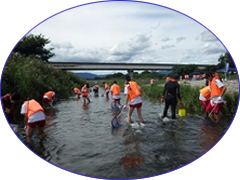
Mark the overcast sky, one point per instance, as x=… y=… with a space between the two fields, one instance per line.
x=129 y=32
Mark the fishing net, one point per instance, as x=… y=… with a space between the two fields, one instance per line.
x=115 y=123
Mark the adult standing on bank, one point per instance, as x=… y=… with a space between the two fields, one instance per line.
x=171 y=93
x=133 y=98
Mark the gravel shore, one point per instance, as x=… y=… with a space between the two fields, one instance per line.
x=231 y=85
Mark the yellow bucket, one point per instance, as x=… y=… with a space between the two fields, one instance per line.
x=182 y=112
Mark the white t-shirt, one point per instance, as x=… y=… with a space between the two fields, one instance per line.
x=136 y=100
x=218 y=99
x=38 y=116
x=201 y=98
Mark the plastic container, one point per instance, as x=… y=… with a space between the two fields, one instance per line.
x=182 y=112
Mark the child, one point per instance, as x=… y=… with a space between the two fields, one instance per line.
x=33 y=117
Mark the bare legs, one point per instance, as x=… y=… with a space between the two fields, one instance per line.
x=139 y=113
x=29 y=133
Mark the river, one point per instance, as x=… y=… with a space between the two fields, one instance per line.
x=80 y=139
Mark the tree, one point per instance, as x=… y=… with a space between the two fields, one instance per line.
x=225 y=58
x=184 y=69
x=34 y=45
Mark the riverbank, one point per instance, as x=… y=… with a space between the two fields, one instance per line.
x=231 y=85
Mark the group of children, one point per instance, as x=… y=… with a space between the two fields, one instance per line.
x=34 y=113
x=211 y=96
x=132 y=91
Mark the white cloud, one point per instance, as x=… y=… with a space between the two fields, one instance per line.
x=179 y=39
x=207 y=36
x=126 y=31
x=126 y=51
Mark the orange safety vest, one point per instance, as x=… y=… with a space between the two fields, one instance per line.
x=76 y=90
x=84 y=90
x=152 y=81
x=32 y=106
x=168 y=79
x=206 y=93
x=215 y=90
x=133 y=90
x=49 y=94
x=116 y=89
x=107 y=86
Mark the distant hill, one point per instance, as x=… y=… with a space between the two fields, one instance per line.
x=90 y=75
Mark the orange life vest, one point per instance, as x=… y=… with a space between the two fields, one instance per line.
x=168 y=79
x=49 y=94
x=152 y=81
x=76 y=90
x=107 y=86
x=84 y=90
x=206 y=93
x=32 y=107
x=133 y=90
x=215 y=90
x=116 y=89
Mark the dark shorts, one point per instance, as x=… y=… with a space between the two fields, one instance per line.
x=135 y=105
x=38 y=123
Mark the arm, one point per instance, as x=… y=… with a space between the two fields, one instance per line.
x=179 y=95
x=163 y=94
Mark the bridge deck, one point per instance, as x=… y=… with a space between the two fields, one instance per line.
x=115 y=66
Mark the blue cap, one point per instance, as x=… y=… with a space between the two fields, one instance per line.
x=175 y=76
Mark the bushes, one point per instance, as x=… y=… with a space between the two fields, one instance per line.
x=190 y=98
x=32 y=78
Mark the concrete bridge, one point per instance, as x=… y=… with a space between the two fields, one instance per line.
x=130 y=67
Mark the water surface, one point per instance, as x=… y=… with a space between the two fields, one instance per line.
x=80 y=139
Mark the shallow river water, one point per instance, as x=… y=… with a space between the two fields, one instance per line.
x=80 y=139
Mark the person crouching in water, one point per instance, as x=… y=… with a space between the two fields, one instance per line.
x=9 y=102
x=115 y=92
x=171 y=93
x=204 y=97
x=216 y=100
x=133 y=98
x=85 y=90
x=48 y=98
x=77 y=92
x=96 y=89
x=34 y=116
x=107 y=88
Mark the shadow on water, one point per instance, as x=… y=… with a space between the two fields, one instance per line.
x=80 y=139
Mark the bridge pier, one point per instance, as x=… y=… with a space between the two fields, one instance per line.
x=130 y=73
